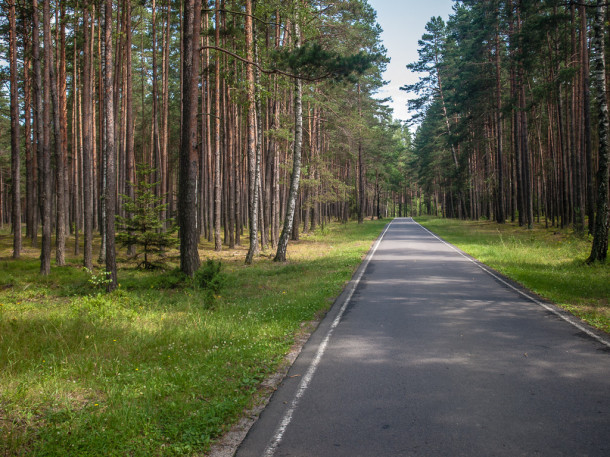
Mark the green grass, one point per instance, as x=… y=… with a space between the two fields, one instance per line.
x=550 y=262
x=158 y=367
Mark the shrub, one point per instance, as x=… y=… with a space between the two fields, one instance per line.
x=145 y=227
x=210 y=278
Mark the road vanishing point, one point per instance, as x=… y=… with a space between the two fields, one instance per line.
x=429 y=353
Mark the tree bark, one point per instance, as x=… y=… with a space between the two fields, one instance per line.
x=280 y=255
x=258 y=110
x=586 y=103
x=361 y=190
x=63 y=118
x=217 y=170
x=156 y=141
x=165 y=169
x=130 y=159
x=525 y=162
x=251 y=133
x=59 y=144
x=15 y=140
x=102 y=164
x=579 y=204
x=599 y=247
x=187 y=186
x=76 y=147
x=30 y=159
x=88 y=163
x=110 y=195
x=500 y=214
x=44 y=152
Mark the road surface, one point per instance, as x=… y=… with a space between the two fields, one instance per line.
x=427 y=354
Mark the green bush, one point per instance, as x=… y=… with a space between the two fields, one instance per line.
x=210 y=278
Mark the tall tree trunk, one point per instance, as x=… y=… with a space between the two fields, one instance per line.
x=206 y=140
x=44 y=130
x=217 y=170
x=361 y=190
x=15 y=140
x=30 y=160
x=526 y=167
x=88 y=162
x=275 y=206
x=63 y=114
x=59 y=146
x=165 y=113
x=237 y=179
x=102 y=157
x=130 y=159
x=110 y=195
x=579 y=204
x=230 y=159
x=156 y=141
x=586 y=104
x=516 y=123
x=500 y=215
x=280 y=255
x=187 y=186
x=599 y=248
x=251 y=133
x=258 y=182
x=76 y=147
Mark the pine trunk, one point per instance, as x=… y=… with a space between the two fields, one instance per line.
x=130 y=160
x=15 y=140
x=59 y=150
x=110 y=196
x=217 y=171
x=44 y=153
x=31 y=203
x=187 y=186
x=88 y=162
x=586 y=103
x=251 y=134
x=500 y=214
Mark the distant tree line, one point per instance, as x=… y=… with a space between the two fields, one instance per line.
x=512 y=110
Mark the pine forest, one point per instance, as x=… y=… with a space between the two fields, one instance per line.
x=259 y=119
x=190 y=189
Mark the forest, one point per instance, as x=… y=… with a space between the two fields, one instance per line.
x=513 y=115
x=254 y=121
x=187 y=186
x=250 y=121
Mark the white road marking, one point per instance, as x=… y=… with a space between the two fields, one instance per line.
x=305 y=381
x=568 y=319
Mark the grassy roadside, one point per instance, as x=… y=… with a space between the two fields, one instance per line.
x=154 y=368
x=550 y=262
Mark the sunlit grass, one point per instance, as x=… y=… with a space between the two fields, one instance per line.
x=154 y=368
x=550 y=262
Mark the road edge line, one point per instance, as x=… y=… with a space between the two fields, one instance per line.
x=569 y=319
x=313 y=366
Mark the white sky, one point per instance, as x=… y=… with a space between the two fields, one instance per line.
x=403 y=23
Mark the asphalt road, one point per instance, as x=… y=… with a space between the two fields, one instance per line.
x=429 y=355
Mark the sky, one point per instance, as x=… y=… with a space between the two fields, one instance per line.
x=403 y=23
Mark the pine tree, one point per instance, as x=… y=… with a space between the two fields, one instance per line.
x=144 y=228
